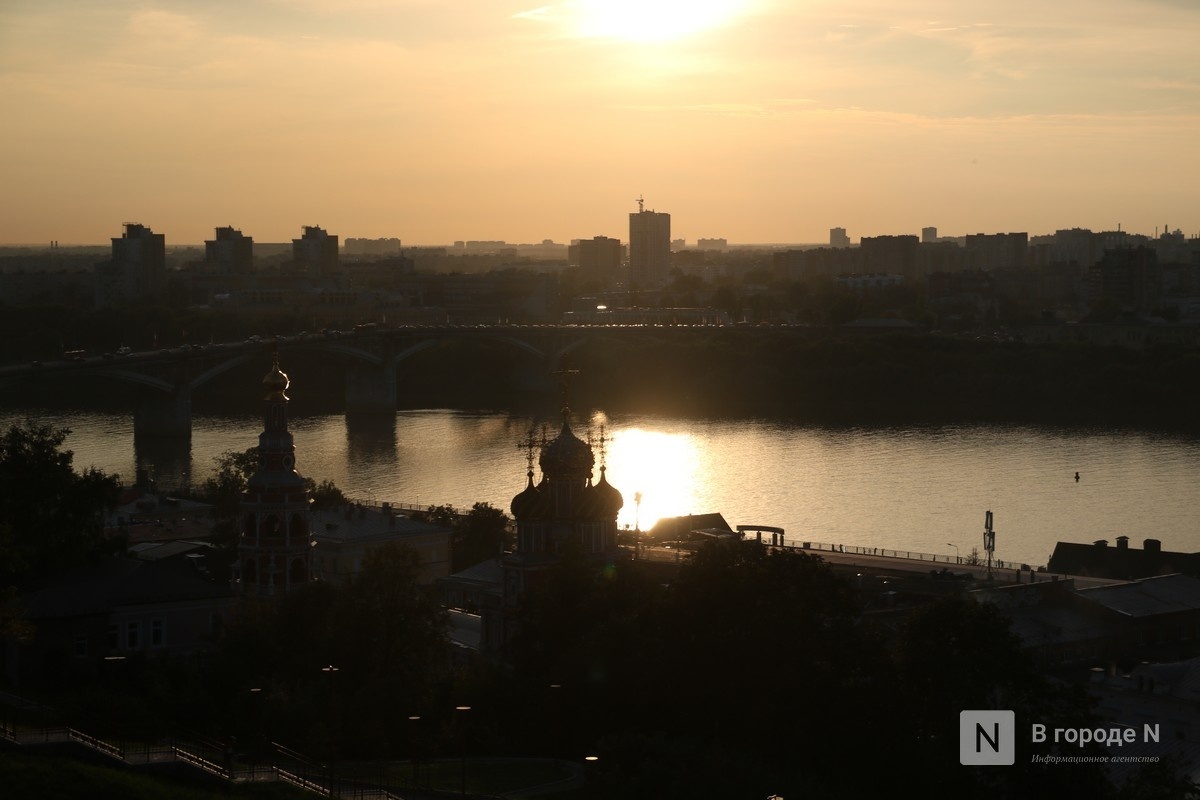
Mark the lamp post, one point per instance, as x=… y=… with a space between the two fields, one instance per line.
x=589 y=768
x=957 y=559
x=555 y=698
x=412 y=753
x=462 y=740
x=330 y=670
x=637 y=524
x=256 y=700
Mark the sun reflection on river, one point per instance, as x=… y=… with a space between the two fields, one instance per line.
x=661 y=467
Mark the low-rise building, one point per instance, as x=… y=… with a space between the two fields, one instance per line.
x=165 y=600
x=341 y=538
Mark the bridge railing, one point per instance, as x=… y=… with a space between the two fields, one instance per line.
x=887 y=552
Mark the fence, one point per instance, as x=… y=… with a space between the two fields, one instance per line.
x=935 y=558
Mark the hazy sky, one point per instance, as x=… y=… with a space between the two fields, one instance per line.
x=753 y=120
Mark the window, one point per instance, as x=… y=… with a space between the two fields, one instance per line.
x=156 y=633
x=114 y=637
x=133 y=635
x=81 y=646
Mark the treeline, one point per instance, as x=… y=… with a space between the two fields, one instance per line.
x=834 y=380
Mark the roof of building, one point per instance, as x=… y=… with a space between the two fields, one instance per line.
x=1165 y=594
x=121 y=581
x=485 y=573
x=675 y=527
x=135 y=501
x=359 y=523
x=156 y=551
x=1046 y=613
x=144 y=516
x=1101 y=560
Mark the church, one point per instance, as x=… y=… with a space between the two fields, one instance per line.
x=562 y=512
x=274 y=552
x=285 y=544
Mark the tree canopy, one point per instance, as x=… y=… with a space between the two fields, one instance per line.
x=51 y=517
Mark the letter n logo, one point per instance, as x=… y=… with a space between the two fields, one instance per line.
x=987 y=737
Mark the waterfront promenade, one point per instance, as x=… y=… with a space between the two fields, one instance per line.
x=878 y=559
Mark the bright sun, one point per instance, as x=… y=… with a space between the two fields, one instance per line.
x=650 y=20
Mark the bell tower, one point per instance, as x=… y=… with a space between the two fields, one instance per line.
x=274 y=551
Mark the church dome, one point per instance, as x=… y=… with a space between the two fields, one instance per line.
x=530 y=503
x=608 y=499
x=275 y=382
x=567 y=457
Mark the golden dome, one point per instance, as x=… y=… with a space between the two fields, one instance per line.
x=275 y=382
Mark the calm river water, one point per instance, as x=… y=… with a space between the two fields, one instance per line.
x=909 y=488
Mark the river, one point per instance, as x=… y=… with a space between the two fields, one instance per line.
x=909 y=488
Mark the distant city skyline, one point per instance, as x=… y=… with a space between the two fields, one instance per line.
x=476 y=245
x=756 y=121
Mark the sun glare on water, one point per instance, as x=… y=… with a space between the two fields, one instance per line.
x=661 y=468
x=651 y=20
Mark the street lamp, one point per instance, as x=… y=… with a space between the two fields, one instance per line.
x=412 y=754
x=331 y=671
x=637 y=525
x=555 y=713
x=956 y=556
x=462 y=740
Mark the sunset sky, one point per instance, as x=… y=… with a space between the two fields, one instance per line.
x=752 y=120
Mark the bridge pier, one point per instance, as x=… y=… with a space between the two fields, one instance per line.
x=163 y=414
x=371 y=389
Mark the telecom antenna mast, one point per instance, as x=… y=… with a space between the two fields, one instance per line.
x=640 y=203
x=989 y=540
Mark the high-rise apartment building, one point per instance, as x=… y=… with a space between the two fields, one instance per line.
x=316 y=253
x=390 y=246
x=229 y=253
x=649 y=247
x=598 y=258
x=137 y=269
x=1128 y=277
x=838 y=237
x=929 y=235
x=890 y=254
x=991 y=251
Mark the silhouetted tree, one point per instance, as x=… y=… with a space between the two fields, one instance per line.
x=445 y=516
x=51 y=517
x=325 y=494
x=479 y=536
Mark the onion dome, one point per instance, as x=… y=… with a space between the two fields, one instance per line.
x=588 y=505
x=530 y=503
x=275 y=382
x=567 y=457
x=608 y=500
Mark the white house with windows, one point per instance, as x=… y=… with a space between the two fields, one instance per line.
x=172 y=598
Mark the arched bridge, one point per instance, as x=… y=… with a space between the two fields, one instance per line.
x=372 y=357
